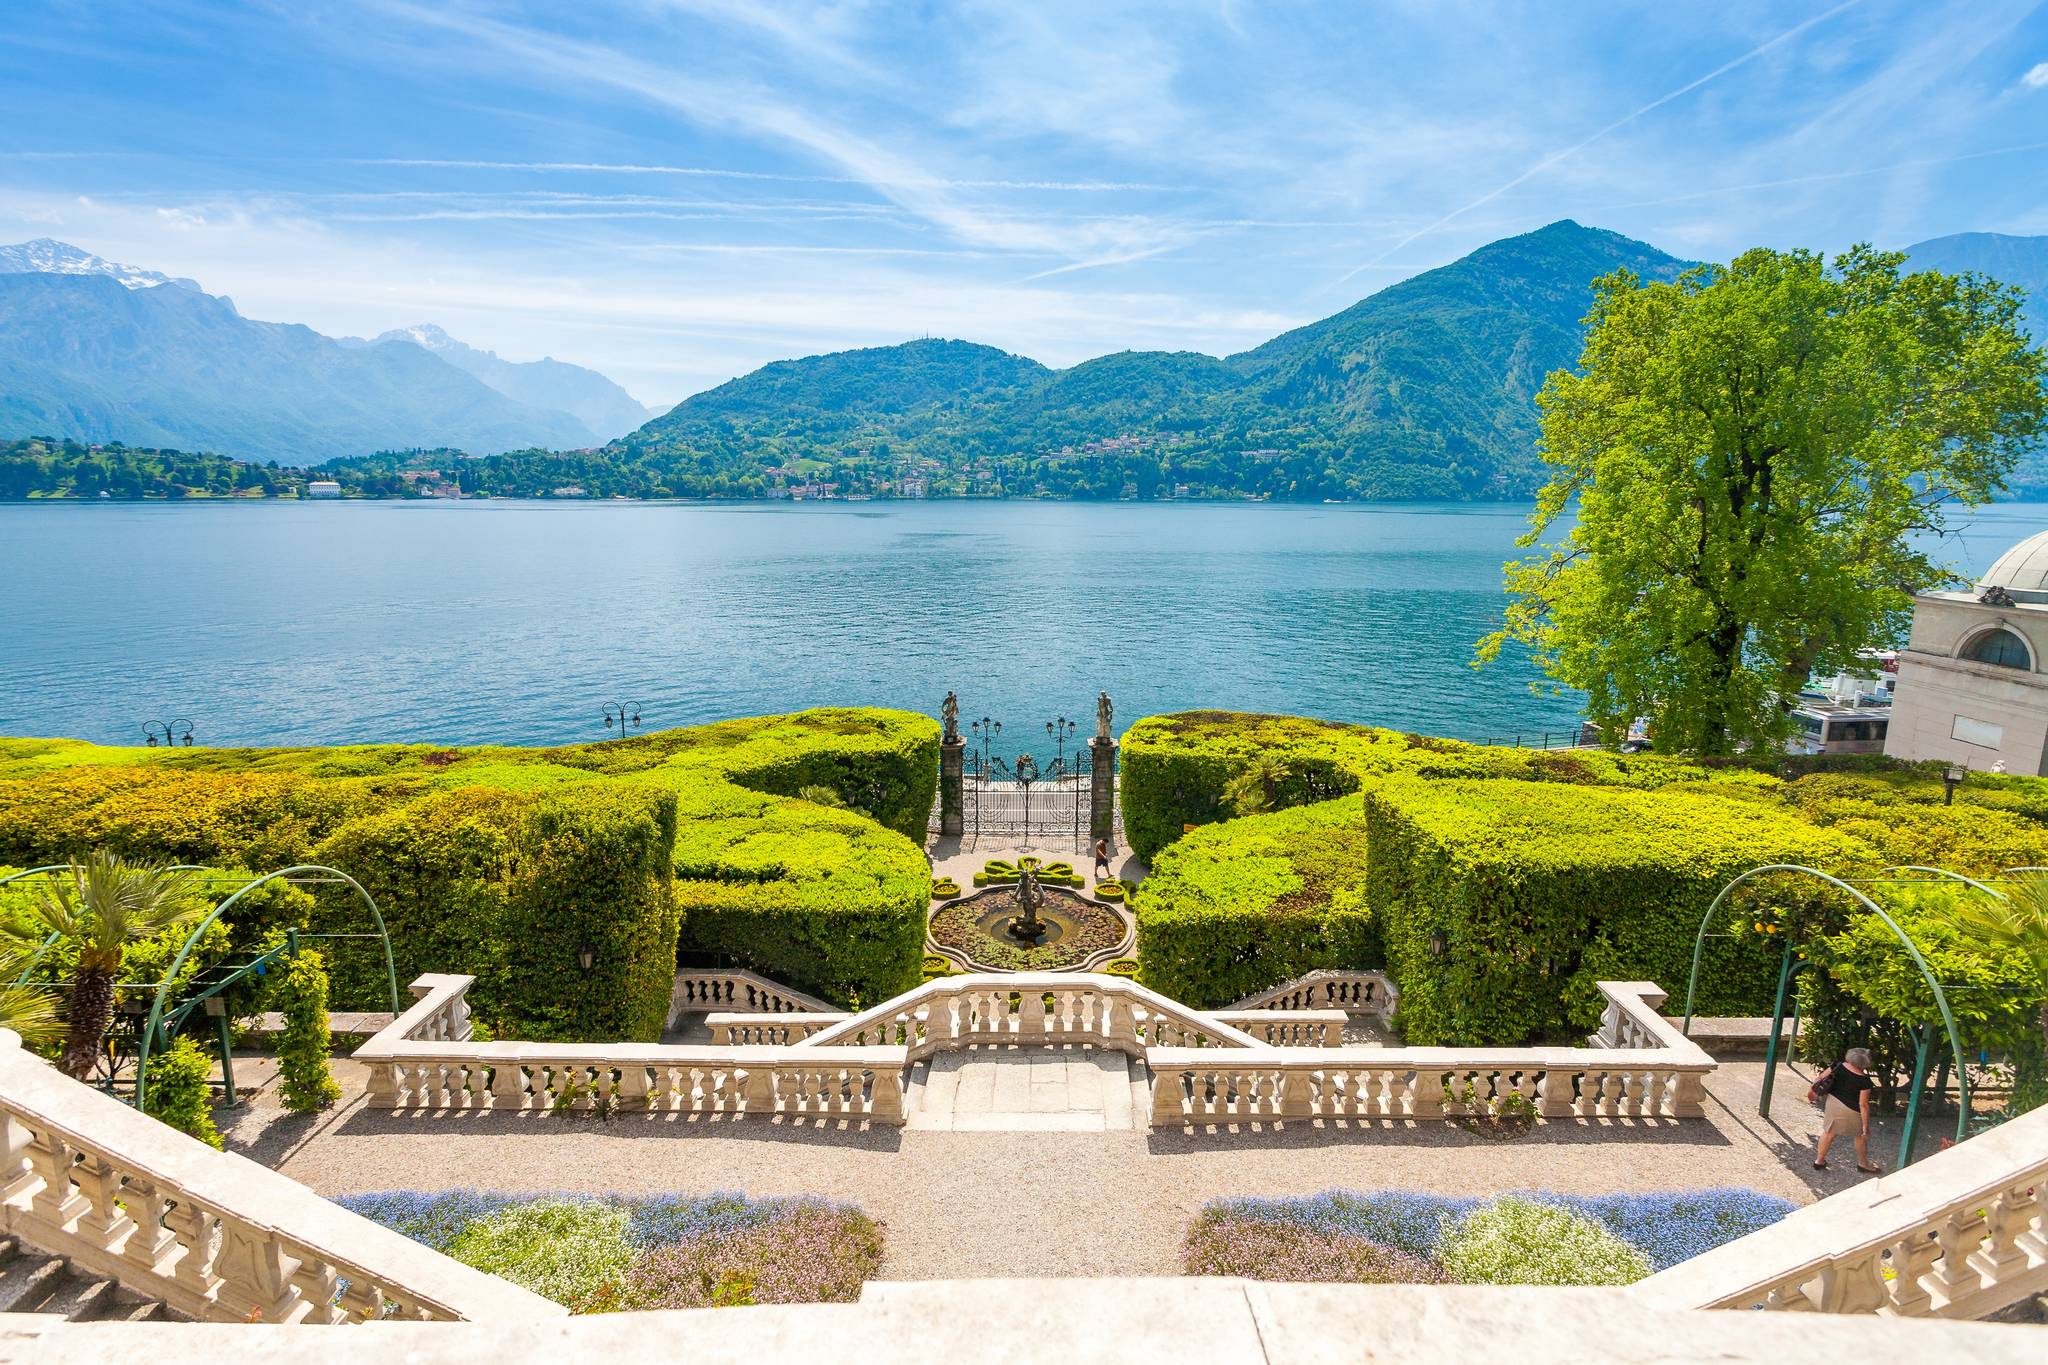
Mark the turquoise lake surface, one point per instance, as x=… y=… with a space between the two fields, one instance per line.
x=517 y=622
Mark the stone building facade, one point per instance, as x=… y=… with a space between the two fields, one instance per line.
x=1973 y=680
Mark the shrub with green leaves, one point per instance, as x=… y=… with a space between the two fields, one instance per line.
x=573 y=1251
x=1234 y=908
x=306 y=1082
x=1516 y=1240
x=176 y=1091
x=1534 y=893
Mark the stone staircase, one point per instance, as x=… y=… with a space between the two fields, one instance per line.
x=32 y=1282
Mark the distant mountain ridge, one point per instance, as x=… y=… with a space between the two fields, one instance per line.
x=85 y=357
x=47 y=256
x=602 y=406
x=94 y=350
x=2015 y=260
x=1423 y=389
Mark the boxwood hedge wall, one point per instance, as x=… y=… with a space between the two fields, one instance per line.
x=502 y=862
x=1537 y=891
x=1237 y=907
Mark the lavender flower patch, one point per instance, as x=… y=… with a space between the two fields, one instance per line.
x=1374 y=1236
x=597 y=1253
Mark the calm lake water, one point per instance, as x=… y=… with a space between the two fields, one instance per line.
x=517 y=622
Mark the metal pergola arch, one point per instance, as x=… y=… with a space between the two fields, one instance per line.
x=162 y=1023
x=1786 y=969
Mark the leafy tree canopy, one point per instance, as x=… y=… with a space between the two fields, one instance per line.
x=1749 y=451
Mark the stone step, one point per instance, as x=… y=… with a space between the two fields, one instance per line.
x=34 y=1282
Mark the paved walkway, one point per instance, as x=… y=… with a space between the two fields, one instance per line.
x=1028 y=1090
x=1023 y=1201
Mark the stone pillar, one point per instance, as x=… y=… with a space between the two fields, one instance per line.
x=1102 y=790
x=952 y=791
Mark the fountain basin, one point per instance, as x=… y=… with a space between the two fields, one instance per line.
x=1079 y=934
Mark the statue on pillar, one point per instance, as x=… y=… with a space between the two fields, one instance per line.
x=949 y=718
x=1103 y=712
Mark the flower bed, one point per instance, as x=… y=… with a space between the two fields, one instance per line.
x=604 y=1253
x=1402 y=1236
x=973 y=928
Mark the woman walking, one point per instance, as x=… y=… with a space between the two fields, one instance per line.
x=1844 y=1090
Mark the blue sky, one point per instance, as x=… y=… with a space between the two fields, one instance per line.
x=675 y=191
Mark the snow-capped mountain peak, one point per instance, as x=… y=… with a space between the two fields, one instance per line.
x=45 y=256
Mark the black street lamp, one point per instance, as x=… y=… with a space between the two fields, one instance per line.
x=169 y=733
x=1951 y=778
x=984 y=731
x=1061 y=730
x=622 y=714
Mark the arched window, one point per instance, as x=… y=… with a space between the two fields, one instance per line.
x=2001 y=647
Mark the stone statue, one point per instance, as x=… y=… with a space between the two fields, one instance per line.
x=949 y=717
x=1103 y=712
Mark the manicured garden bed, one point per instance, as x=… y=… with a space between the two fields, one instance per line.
x=606 y=1253
x=1406 y=1237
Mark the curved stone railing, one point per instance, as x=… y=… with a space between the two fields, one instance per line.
x=1666 y=1079
x=212 y=1235
x=1287 y=1028
x=1352 y=992
x=1031 y=1009
x=737 y=990
x=1960 y=1234
x=418 y=1063
x=767 y=1030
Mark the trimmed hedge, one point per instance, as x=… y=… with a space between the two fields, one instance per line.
x=1175 y=768
x=1539 y=891
x=1234 y=908
x=501 y=862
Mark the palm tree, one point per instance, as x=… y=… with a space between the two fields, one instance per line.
x=103 y=905
x=30 y=1011
x=2019 y=922
x=1257 y=786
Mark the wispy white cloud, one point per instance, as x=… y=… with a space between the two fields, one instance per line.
x=2036 y=77
x=929 y=182
x=1554 y=158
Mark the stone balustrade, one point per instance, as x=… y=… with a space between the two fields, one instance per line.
x=214 y=1236
x=1031 y=1009
x=1960 y=1234
x=1352 y=992
x=737 y=990
x=767 y=1030
x=420 y=1062
x=1664 y=1079
x=1287 y=1028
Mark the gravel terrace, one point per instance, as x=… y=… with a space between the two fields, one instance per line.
x=1004 y=1203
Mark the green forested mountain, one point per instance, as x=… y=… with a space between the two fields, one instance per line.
x=1421 y=390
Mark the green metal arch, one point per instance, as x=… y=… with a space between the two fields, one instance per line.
x=156 y=1009
x=1948 y=1019
x=1952 y=876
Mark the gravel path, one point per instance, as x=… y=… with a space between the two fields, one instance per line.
x=988 y=1204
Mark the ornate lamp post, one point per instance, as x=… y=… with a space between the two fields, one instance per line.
x=1061 y=730
x=169 y=733
x=622 y=714
x=984 y=731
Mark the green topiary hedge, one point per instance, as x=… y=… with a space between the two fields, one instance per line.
x=1175 y=768
x=472 y=853
x=177 y=1091
x=306 y=1082
x=1534 y=893
x=1234 y=908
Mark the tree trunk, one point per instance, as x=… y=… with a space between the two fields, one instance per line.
x=92 y=1009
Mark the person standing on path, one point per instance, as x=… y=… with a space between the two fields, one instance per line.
x=1102 y=860
x=1845 y=1090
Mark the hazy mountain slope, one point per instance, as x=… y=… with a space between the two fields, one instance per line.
x=82 y=356
x=2015 y=260
x=602 y=406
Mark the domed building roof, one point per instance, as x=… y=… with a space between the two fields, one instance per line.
x=2021 y=571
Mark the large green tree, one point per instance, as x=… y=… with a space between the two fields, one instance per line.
x=1745 y=458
